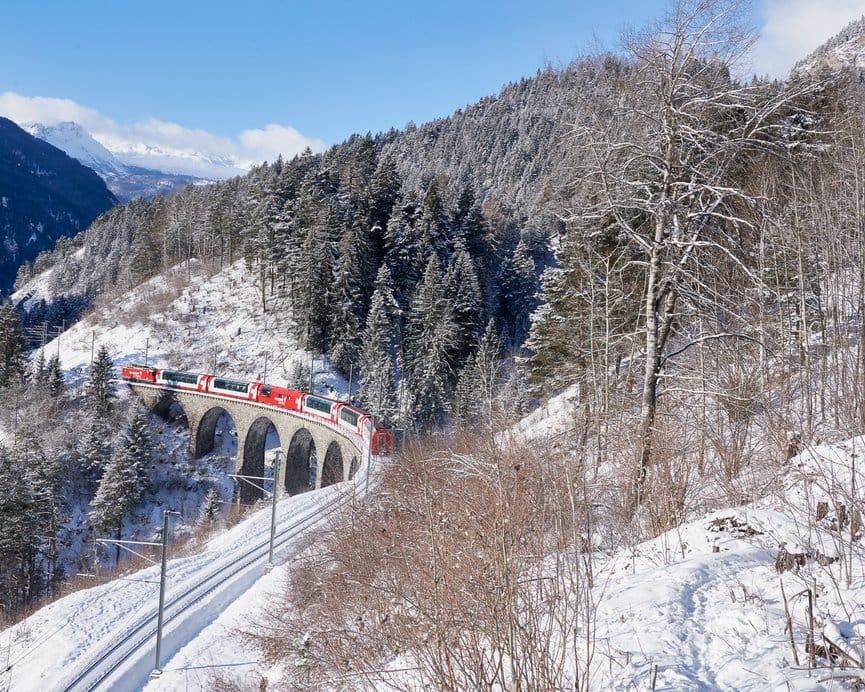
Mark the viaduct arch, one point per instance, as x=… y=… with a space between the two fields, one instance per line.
x=314 y=453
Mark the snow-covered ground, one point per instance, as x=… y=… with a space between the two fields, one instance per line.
x=702 y=608
x=699 y=607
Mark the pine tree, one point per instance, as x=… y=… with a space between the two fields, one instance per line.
x=312 y=275
x=344 y=322
x=18 y=533
x=434 y=225
x=136 y=440
x=384 y=193
x=99 y=391
x=478 y=383
x=124 y=479
x=377 y=391
x=402 y=250
x=210 y=508
x=464 y=294
x=299 y=376
x=95 y=449
x=55 y=379
x=519 y=288
x=40 y=372
x=428 y=353
x=43 y=470
x=11 y=346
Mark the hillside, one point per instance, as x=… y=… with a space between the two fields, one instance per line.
x=44 y=194
x=844 y=51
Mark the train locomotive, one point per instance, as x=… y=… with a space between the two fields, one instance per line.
x=334 y=412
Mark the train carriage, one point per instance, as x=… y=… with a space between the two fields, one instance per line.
x=183 y=380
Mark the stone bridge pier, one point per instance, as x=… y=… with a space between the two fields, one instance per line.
x=314 y=455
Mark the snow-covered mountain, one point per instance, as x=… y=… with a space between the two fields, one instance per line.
x=134 y=169
x=77 y=143
x=844 y=50
x=44 y=194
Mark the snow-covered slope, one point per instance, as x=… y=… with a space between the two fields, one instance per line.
x=844 y=50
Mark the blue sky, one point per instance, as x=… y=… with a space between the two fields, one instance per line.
x=261 y=74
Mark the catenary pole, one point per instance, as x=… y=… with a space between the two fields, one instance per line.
x=273 y=509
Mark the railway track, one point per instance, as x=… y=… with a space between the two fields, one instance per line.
x=132 y=648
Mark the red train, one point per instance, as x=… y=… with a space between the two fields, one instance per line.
x=336 y=412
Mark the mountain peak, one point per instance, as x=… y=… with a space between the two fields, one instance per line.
x=77 y=143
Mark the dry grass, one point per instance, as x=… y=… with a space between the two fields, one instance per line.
x=459 y=562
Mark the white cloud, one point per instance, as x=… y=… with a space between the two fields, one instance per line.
x=794 y=28
x=261 y=144
x=156 y=139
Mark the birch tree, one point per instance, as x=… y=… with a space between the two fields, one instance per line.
x=666 y=167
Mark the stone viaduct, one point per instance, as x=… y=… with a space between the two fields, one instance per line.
x=338 y=453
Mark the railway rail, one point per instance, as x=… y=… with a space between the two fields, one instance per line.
x=135 y=648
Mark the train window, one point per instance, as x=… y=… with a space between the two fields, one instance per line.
x=231 y=386
x=349 y=416
x=182 y=377
x=265 y=391
x=318 y=404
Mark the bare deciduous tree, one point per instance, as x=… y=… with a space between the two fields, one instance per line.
x=665 y=168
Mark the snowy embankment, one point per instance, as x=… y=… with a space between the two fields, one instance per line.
x=187 y=319
x=702 y=606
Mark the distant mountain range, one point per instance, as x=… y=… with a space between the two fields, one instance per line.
x=44 y=194
x=137 y=170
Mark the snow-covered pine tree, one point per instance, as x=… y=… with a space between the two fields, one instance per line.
x=402 y=247
x=344 y=322
x=464 y=294
x=137 y=441
x=95 y=448
x=124 y=479
x=518 y=284
x=476 y=389
x=99 y=391
x=260 y=249
x=55 y=378
x=429 y=349
x=43 y=468
x=40 y=372
x=313 y=273
x=18 y=533
x=435 y=237
x=210 y=508
x=299 y=378
x=11 y=346
x=383 y=193
x=377 y=391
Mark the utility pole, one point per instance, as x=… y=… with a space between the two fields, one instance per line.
x=273 y=509
x=146 y=350
x=157 y=669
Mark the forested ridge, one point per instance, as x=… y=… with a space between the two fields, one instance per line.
x=475 y=190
